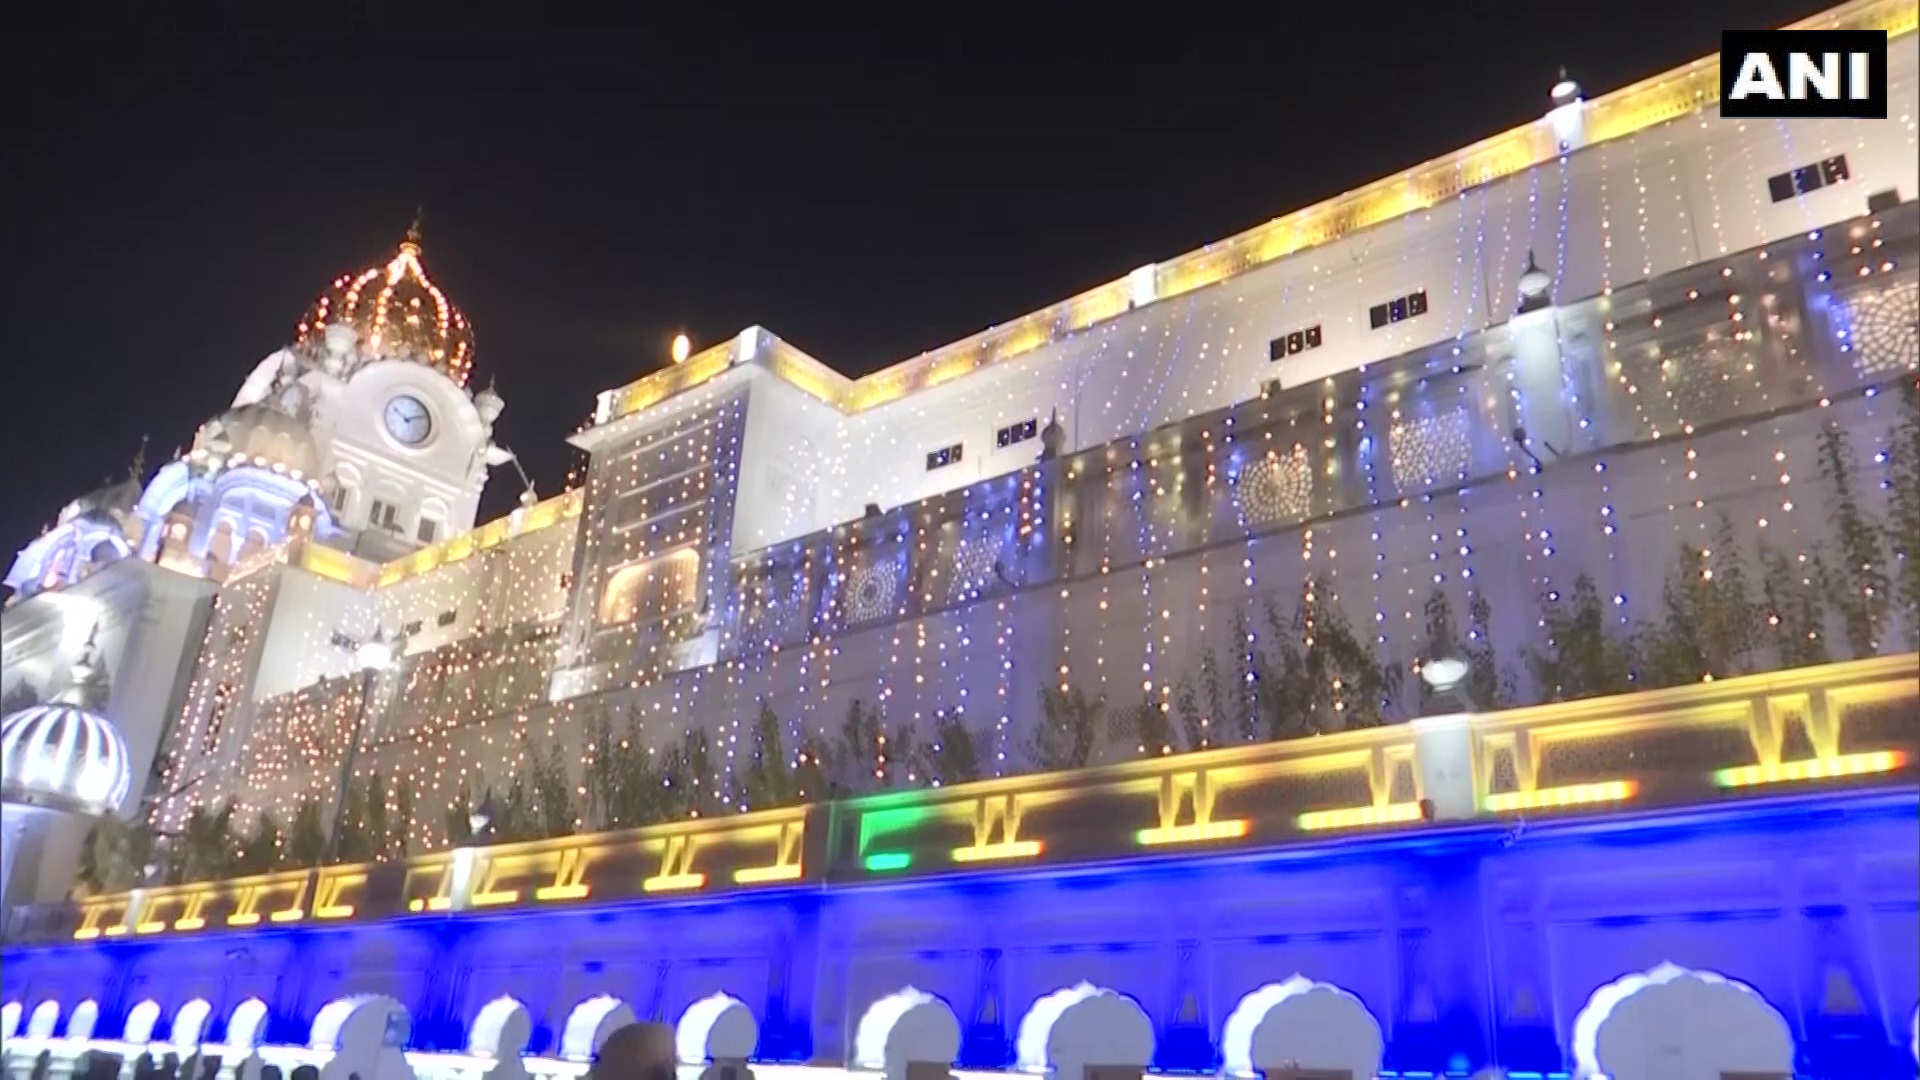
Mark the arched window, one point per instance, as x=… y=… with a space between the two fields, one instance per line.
x=652 y=590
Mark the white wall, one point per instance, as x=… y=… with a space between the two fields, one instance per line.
x=438 y=476
x=1612 y=214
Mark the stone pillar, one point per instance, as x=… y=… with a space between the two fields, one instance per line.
x=1444 y=753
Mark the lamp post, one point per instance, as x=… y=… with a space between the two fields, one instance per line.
x=373 y=656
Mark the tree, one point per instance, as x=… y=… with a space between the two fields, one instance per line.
x=1152 y=728
x=767 y=779
x=116 y=855
x=307 y=836
x=861 y=751
x=259 y=849
x=1484 y=685
x=1796 y=609
x=1069 y=724
x=623 y=781
x=1350 y=686
x=1196 y=726
x=953 y=757
x=457 y=819
x=1903 y=508
x=1582 y=657
x=1858 y=578
x=1710 y=624
x=204 y=848
x=551 y=790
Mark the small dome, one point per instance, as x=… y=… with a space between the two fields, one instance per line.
x=261 y=431
x=63 y=755
x=398 y=314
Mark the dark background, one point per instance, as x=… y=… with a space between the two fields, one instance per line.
x=865 y=186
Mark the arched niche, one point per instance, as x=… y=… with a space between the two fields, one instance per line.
x=189 y=1023
x=368 y=1035
x=716 y=1028
x=1084 y=1027
x=1672 y=1023
x=43 y=1020
x=9 y=1019
x=140 y=1022
x=1307 y=1024
x=590 y=1024
x=86 y=1016
x=246 y=1024
x=907 y=1027
x=501 y=1030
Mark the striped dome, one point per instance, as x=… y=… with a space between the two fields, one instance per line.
x=63 y=757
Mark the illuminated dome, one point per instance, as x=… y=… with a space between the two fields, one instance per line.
x=262 y=435
x=63 y=755
x=398 y=313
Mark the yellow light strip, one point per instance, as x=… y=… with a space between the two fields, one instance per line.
x=560 y=892
x=1570 y=795
x=1006 y=849
x=150 y=927
x=1187 y=834
x=1358 y=816
x=1864 y=764
x=436 y=903
x=494 y=898
x=755 y=875
x=244 y=918
x=190 y=924
x=117 y=930
x=334 y=911
x=673 y=882
x=289 y=915
x=86 y=933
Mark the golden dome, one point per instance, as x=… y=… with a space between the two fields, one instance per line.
x=398 y=312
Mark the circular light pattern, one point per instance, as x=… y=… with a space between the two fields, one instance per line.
x=398 y=312
x=872 y=589
x=1886 y=332
x=1277 y=488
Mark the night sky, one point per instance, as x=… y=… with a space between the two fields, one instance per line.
x=865 y=189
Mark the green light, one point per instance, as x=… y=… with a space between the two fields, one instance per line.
x=888 y=860
x=877 y=823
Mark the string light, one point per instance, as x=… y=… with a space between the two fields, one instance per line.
x=976 y=589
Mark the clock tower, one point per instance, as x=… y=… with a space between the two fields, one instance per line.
x=379 y=371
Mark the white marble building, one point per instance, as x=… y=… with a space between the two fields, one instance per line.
x=1353 y=398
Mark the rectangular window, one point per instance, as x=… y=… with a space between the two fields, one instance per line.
x=446 y=617
x=1797 y=182
x=1400 y=308
x=943 y=457
x=1014 y=434
x=1293 y=344
x=384 y=515
x=428 y=530
x=410 y=629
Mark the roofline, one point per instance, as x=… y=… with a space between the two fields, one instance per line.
x=1633 y=108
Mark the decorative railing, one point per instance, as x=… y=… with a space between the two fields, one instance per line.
x=1826 y=728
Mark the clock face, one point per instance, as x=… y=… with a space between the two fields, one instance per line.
x=408 y=420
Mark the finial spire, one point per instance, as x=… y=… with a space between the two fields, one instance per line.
x=413 y=230
x=87 y=686
x=137 y=468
